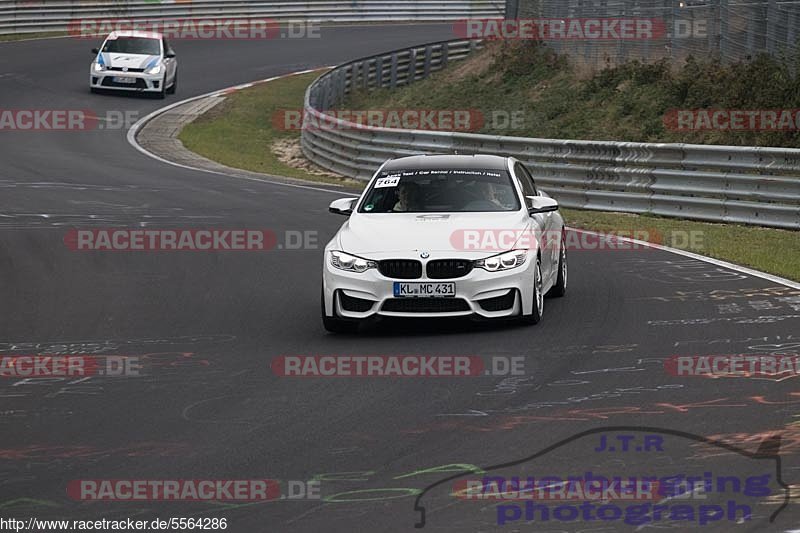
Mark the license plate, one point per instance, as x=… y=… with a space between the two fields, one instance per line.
x=424 y=290
x=120 y=79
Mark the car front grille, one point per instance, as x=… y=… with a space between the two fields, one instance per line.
x=498 y=303
x=122 y=69
x=400 y=268
x=425 y=305
x=108 y=81
x=448 y=268
x=353 y=304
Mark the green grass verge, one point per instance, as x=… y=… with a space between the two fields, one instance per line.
x=239 y=132
x=23 y=36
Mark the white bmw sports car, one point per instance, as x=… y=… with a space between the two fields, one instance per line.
x=444 y=236
x=134 y=61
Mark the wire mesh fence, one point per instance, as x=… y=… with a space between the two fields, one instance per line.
x=732 y=30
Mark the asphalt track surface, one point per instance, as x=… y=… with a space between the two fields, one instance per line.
x=209 y=406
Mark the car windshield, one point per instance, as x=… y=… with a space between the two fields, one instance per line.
x=436 y=191
x=133 y=45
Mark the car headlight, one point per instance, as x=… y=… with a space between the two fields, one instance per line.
x=504 y=261
x=351 y=263
x=98 y=67
x=155 y=70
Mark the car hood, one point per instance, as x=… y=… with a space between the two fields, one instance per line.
x=405 y=234
x=118 y=60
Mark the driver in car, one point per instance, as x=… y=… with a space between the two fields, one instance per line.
x=487 y=192
x=407 y=197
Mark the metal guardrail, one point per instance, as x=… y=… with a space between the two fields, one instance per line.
x=716 y=183
x=35 y=16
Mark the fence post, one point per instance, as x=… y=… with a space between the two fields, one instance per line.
x=724 y=13
x=673 y=39
x=445 y=54
x=712 y=28
x=750 y=40
x=771 y=31
x=512 y=9
x=791 y=42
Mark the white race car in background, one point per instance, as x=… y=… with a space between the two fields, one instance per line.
x=134 y=61
x=403 y=251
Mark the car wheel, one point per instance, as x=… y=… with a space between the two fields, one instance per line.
x=174 y=86
x=538 y=298
x=560 y=288
x=334 y=324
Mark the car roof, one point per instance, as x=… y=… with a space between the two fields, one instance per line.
x=417 y=162
x=134 y=33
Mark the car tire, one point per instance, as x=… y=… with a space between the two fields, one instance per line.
x=538 y=298
x=334 y=324
x=174 y=85
x=93 y=90
x=560 y=288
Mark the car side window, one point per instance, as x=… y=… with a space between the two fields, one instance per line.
x=167 y=47
x=530 y=179
x=525 y=180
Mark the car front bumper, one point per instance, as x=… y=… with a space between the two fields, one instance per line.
x=481 y=293
x=141 y=82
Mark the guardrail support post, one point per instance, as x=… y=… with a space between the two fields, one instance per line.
x=412 y=67
x=393 y=74
x=379 y=72
x=428 y=54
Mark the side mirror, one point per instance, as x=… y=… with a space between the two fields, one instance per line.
x=95 y=51
x=541 y=204
x=169 y=55
x=343 y=206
